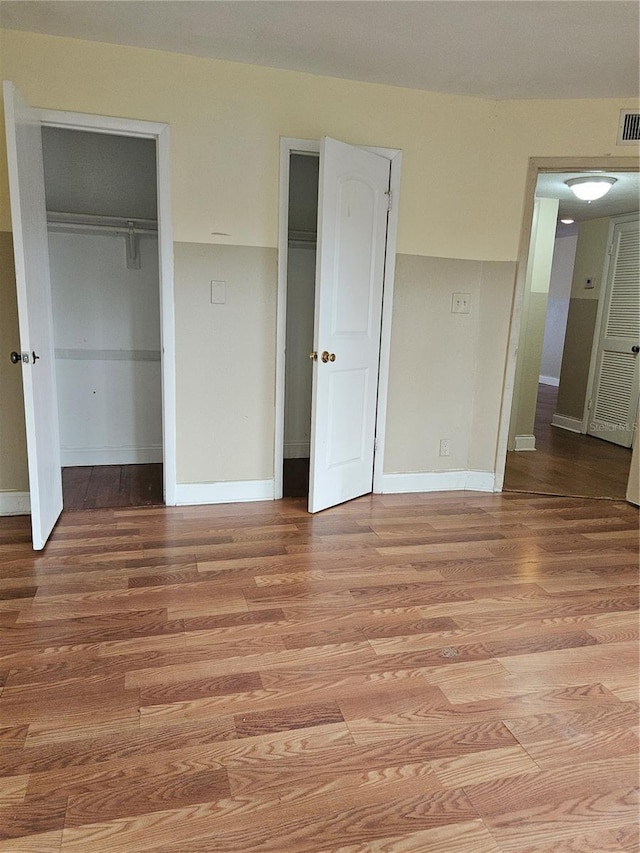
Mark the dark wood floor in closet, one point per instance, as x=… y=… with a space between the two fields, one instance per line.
x=567 y=463
x=295 y=481
x=109 y=486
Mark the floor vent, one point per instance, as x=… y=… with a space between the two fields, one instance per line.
x=629 y=129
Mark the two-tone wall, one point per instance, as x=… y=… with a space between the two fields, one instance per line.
x=463 y=182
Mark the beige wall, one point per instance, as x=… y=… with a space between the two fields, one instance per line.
x=581 y=319
x=464 y=170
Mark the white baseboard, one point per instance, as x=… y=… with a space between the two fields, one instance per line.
x=438 y=481
x=232 y=491
x=525 y=442
x=15 y=503
x=296 y=450
x=70 y=456
x=565 y=422
x=549 y=380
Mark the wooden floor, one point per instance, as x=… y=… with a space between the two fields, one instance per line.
x=106 y=486
x=452 y=673
x=567 y=463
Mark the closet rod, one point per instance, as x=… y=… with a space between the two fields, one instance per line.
x=89 y=222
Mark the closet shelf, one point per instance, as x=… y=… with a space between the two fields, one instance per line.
x=79 y=222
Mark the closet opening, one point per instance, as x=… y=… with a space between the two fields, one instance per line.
x=101 y=199
x=301 y=280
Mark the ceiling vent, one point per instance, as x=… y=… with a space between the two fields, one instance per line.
x=629 y=128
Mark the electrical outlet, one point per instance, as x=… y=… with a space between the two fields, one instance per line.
x=461 y=303
x=445 y=446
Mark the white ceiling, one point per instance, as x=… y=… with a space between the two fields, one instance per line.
x=623 y=197
x=487 y=48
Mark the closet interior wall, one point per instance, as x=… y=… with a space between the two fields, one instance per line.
x=103 y=245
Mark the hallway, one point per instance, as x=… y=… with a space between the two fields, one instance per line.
x=567 y=463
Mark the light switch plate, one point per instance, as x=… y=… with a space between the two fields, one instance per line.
x=218 y=292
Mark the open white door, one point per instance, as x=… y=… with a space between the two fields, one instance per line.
x=352 y=228
x=31 y=249
x=615 y=389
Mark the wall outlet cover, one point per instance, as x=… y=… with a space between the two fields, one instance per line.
x=218 y=292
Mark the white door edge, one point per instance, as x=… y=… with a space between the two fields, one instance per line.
x=160 y=132
x=290 y=146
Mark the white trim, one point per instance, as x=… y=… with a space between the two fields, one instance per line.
x=524 y=442
x=231 y=491
x=549 y=380
x=15 y=503
x=71 y=456
x=480 y=481
x=566 y=422
x=437 y=481
x=101 y=124
x=160 y=132
x=289 y=146
x=387 y=315
x=167 y=318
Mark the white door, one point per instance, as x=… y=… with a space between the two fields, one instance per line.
x=352 y=227
x=30 y=243
x=614 y=402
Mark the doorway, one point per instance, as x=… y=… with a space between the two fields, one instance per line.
x=23 y=125
x=557 y=346
x=101 y=203
x=331 y=404
x=302 y=233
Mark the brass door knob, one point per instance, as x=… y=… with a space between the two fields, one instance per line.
x=313 y=356
x=328 y=356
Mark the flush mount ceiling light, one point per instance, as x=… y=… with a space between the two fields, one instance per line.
x=567 y=221
x=590 y=187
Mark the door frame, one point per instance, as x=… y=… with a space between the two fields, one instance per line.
x=289 y=146
x=536 y=165
x=604 y=283
x=159 y=132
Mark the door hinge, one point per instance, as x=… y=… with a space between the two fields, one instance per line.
x=610 y=249
x=389 y=195
x=589 y=405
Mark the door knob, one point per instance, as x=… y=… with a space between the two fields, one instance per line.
x=313 y=356
x=16 y=358
x=328 y=356
x=635 y=348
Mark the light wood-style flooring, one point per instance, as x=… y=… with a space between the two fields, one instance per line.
x=567 y=463
x=451 y=673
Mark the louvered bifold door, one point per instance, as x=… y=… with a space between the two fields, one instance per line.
x=614 y=402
